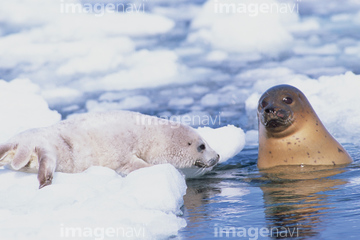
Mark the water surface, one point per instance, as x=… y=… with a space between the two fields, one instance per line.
x=238 y=201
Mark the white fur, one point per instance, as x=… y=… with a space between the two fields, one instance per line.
x=121 y=140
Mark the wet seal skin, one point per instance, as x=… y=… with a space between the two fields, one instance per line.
x=120 y=140
x=290 y=132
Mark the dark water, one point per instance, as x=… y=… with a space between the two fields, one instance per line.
x=236 y=201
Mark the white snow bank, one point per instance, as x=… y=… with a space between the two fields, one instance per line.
x=140 y=70
x=252 y=138
x=176 y=102
x=61 y=95
x=265 y=78
x=80 y=50
x=97 y=203
x=69 y=16
x=353 y=50
x=133 y=102
x=228 y=95
x=334 y=98
x=22 y=108
x=357 y=18
x=245 y=26
x=226 y=141
x=328 y=49
x=304 y=25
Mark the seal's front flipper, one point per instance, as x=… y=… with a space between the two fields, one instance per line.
x=4 y=148
x=133 y=164
x=22 y=156
x=47 y=165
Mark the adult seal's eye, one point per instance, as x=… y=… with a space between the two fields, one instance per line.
x=264 y=103
x=287 y=100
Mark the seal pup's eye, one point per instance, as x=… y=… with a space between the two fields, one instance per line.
x=287 y=100
x=201 y=147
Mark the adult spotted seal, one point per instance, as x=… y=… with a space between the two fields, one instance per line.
x=121 y=140
x=290 y=132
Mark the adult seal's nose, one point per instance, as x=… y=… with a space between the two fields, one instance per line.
x=270 y=110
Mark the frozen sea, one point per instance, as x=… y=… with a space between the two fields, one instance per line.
x=205 y=63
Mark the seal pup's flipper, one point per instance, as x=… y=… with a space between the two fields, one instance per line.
x=4 y=148
x=47 y=165
x=21 y=157
x=133 y=164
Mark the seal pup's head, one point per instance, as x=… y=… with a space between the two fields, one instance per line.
x=279 y=107
x=204 y=159
x=201 y=157
x=188 y=151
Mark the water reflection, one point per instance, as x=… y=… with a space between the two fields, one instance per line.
x=298 y=197
x=237 y=195
x=208 y=199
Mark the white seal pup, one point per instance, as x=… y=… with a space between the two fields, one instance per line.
x=121 y=140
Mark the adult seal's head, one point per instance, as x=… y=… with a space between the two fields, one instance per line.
x=290 y=132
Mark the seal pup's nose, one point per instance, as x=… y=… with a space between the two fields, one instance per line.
x=214 y=161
